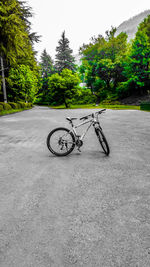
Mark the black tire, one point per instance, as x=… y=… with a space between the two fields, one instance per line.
x=103 y=141
x=61 y=148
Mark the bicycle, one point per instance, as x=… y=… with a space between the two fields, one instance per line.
x=61 y=141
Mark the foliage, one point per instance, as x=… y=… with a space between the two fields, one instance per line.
x=23 y=83
x=12 y=30
x=24 y=105
x=112 y=68
x=84 y=96
x=1 y=107
x=16 y=39
x=137 y=67
x=93 y=106
x=102 y=63
x=64 y=57
x=46 y=70
x=145 y=26
x=62 y=87
x=11 y=107
x=17 y=105
x=46 y=64
x=14 y=105
x=6 y=106
x=145 y=106
x=139 y=71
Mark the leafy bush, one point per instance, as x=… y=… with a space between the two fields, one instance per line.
x=40 y=101
x=13 y=105
x=29 y=105
x=2 y=104
x=145 y=106
x=1 y=107
x=84 y=96
x=23 y=83
x=22 y=104
x=25 y=105
x=110 y=102
x=6 y=106
x=18 y=105
x=62 y=87
x=125 y=89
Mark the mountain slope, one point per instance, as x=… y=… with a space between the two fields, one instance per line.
x=130 y=26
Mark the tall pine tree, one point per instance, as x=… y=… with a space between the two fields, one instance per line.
x=15 y=37
x=64 y=57
x=16 y=41
x=46 y=64
x=47 y=69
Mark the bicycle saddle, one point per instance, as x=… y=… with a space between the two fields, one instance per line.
x=71 y=119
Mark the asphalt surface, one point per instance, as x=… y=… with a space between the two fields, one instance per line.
x=85 y=209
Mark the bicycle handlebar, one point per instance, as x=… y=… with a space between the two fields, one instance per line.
x=101 y=111
x=92 y=115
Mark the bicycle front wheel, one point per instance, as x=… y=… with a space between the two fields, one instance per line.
x=103 y=141
x=61 y=141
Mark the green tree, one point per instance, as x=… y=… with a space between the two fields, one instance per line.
x=46 y=70
x=46 y=64
x=102 y=62
x=104 y=70
x=64 y=57
x=16 y=41
x=15 y=36
x=140 y=60
x=63 y=87
x=23 y=83
x=137 y=68
x=145 y=26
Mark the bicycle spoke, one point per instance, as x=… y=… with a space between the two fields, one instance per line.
x=60 y=141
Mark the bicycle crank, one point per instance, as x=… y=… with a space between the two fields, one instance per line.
x=79 y=143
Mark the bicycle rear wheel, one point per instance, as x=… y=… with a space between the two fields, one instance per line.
x=103 y=141
x=60 y=141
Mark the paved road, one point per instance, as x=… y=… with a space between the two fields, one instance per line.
x=85 y=209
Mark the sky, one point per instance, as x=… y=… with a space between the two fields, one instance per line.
x=81 y=19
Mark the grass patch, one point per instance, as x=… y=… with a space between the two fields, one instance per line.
x=11 y=111
x=92 y=106
x=145 y=106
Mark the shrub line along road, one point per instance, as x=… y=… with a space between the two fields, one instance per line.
x=85 y=209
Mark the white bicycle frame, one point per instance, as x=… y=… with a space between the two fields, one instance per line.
x=92 y=121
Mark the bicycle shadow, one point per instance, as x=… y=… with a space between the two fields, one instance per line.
x=88 y=154
x=95 y=154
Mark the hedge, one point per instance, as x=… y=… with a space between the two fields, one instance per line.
x=6 y=106
x=12 y=105
x=1 y=107
x=22 y=104
x=145 y=106
x=25 y=105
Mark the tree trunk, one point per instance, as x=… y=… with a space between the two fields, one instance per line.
x=3 y=80
x=65 y=103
